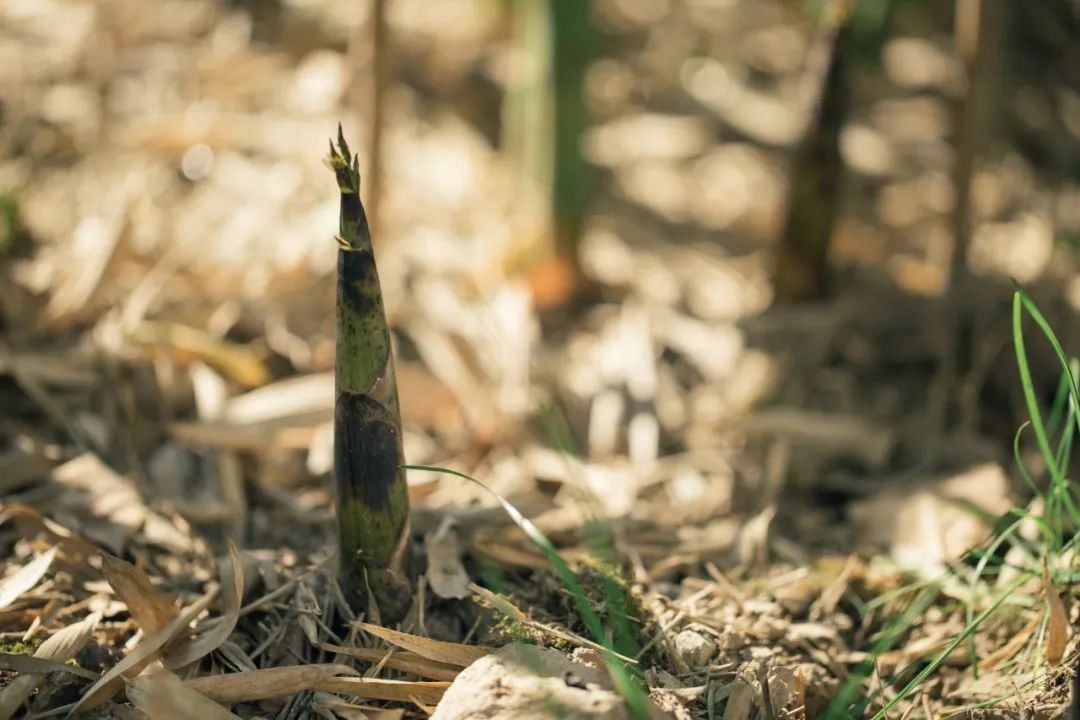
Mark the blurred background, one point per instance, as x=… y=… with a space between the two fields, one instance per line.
x=733 y=276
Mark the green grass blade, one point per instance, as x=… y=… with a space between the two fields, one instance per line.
x=1028 y=387
x=636 y=699
x=934 y=664
x=844 y=703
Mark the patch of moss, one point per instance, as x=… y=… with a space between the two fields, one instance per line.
x=507 y=630
x=19 y=647
x=545 y=598
x=611 y=593
x=14 y=237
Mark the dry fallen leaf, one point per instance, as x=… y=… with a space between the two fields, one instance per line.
x=444 y=652
x=72 y=544
x=150 y=610
x=1012 y=647
x=264 y=684
x=399 y=660
x=446 y=573
x=741 y=701
x=147 y=651
x=24 y=664
x=219 y=632
x=59 y=648
x=25 y=578
x=378 y=689
x=1057 y=630
x=350 y=711
x=187 y=343
x=163 y=696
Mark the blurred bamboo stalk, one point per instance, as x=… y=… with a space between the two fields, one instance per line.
x=802 y=270
x=544 y=118
x=976 y=33
x=527 y=123
x=574 y=40
x=380 y=63
x=977 y=36
x=372 y=498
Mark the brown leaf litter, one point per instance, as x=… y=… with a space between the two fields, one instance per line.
x=165 y=376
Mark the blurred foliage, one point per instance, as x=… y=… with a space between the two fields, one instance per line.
x=14 y=237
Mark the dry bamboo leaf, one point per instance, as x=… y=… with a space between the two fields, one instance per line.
x=19 y=467
x=351 y=711
x=218 y=633
x=151 y=610
x=1011 y=648
x=147 y=651
x=163 y=696
x=378 y=689
x=286 y=434
x=446 y=573
x=399 y=660
x=235 y=362
x=500 y=603
x=387 y=714
x=59 y=648
x=264 y=684
x=72 y=544
x=24 y=664
x=43 y=616
x=25 y=578
x=299 y=397
x=741 y=700
x=510 y=555
x=444 y=652
x=1057 y=630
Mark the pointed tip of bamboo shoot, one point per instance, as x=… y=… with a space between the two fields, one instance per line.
x=345 y=165
x=355 y=233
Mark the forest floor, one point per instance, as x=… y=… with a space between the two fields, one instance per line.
x=770 y=510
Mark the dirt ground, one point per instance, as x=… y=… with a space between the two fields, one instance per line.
x=769 y=507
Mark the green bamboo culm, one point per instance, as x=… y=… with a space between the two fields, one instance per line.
x=372 y=498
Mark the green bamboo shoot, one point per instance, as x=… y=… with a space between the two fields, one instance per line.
x=802 y=269
x=372 y=498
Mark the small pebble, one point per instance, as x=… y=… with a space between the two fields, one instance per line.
x=694 y=648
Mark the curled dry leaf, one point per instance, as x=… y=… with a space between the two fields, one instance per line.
x=72 y=544
x=446 y=573
x=59 y=648
x=163 y=696
x=147 y=651
x=1057 y=629
x=306 y=606
x=25 y=578
x=444 y=652
x=267 y=683
x=219 y=632
x=150 y=610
